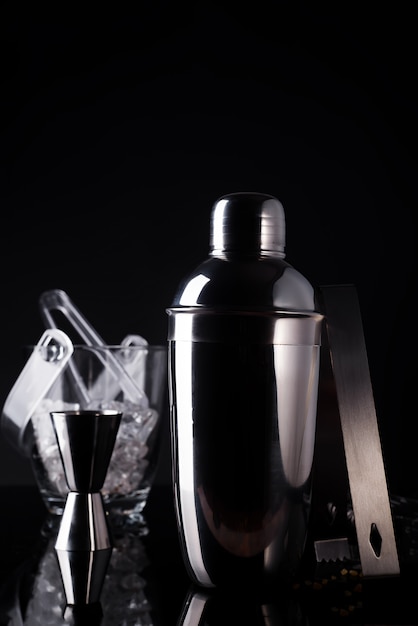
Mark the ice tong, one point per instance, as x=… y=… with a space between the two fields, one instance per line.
x=58 y=300
x=49 y=357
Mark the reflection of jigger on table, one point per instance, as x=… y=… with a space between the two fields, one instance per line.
x=84 y=545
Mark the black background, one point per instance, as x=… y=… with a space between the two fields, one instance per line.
x=120 y=130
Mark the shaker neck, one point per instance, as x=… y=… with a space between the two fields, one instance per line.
x=245 y=254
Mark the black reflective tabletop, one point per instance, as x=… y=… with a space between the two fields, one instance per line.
x=146 y=582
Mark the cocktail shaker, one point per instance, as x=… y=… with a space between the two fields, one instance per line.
x=244 y=348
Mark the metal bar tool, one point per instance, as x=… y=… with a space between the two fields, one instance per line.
x=362 y=447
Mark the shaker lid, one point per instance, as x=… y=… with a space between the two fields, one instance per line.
x=248 y=223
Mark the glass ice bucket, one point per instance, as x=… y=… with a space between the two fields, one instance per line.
x=131 y=379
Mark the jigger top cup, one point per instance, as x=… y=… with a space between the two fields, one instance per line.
x=86 y=440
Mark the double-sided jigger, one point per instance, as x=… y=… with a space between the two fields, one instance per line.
x=85 y=440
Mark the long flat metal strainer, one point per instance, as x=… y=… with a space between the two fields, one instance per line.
x=362 y=446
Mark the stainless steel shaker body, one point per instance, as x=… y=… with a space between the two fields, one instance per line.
x=244 y=344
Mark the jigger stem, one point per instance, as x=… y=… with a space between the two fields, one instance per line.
x=83 y=524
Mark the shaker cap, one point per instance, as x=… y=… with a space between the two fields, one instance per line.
x=248 y=223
